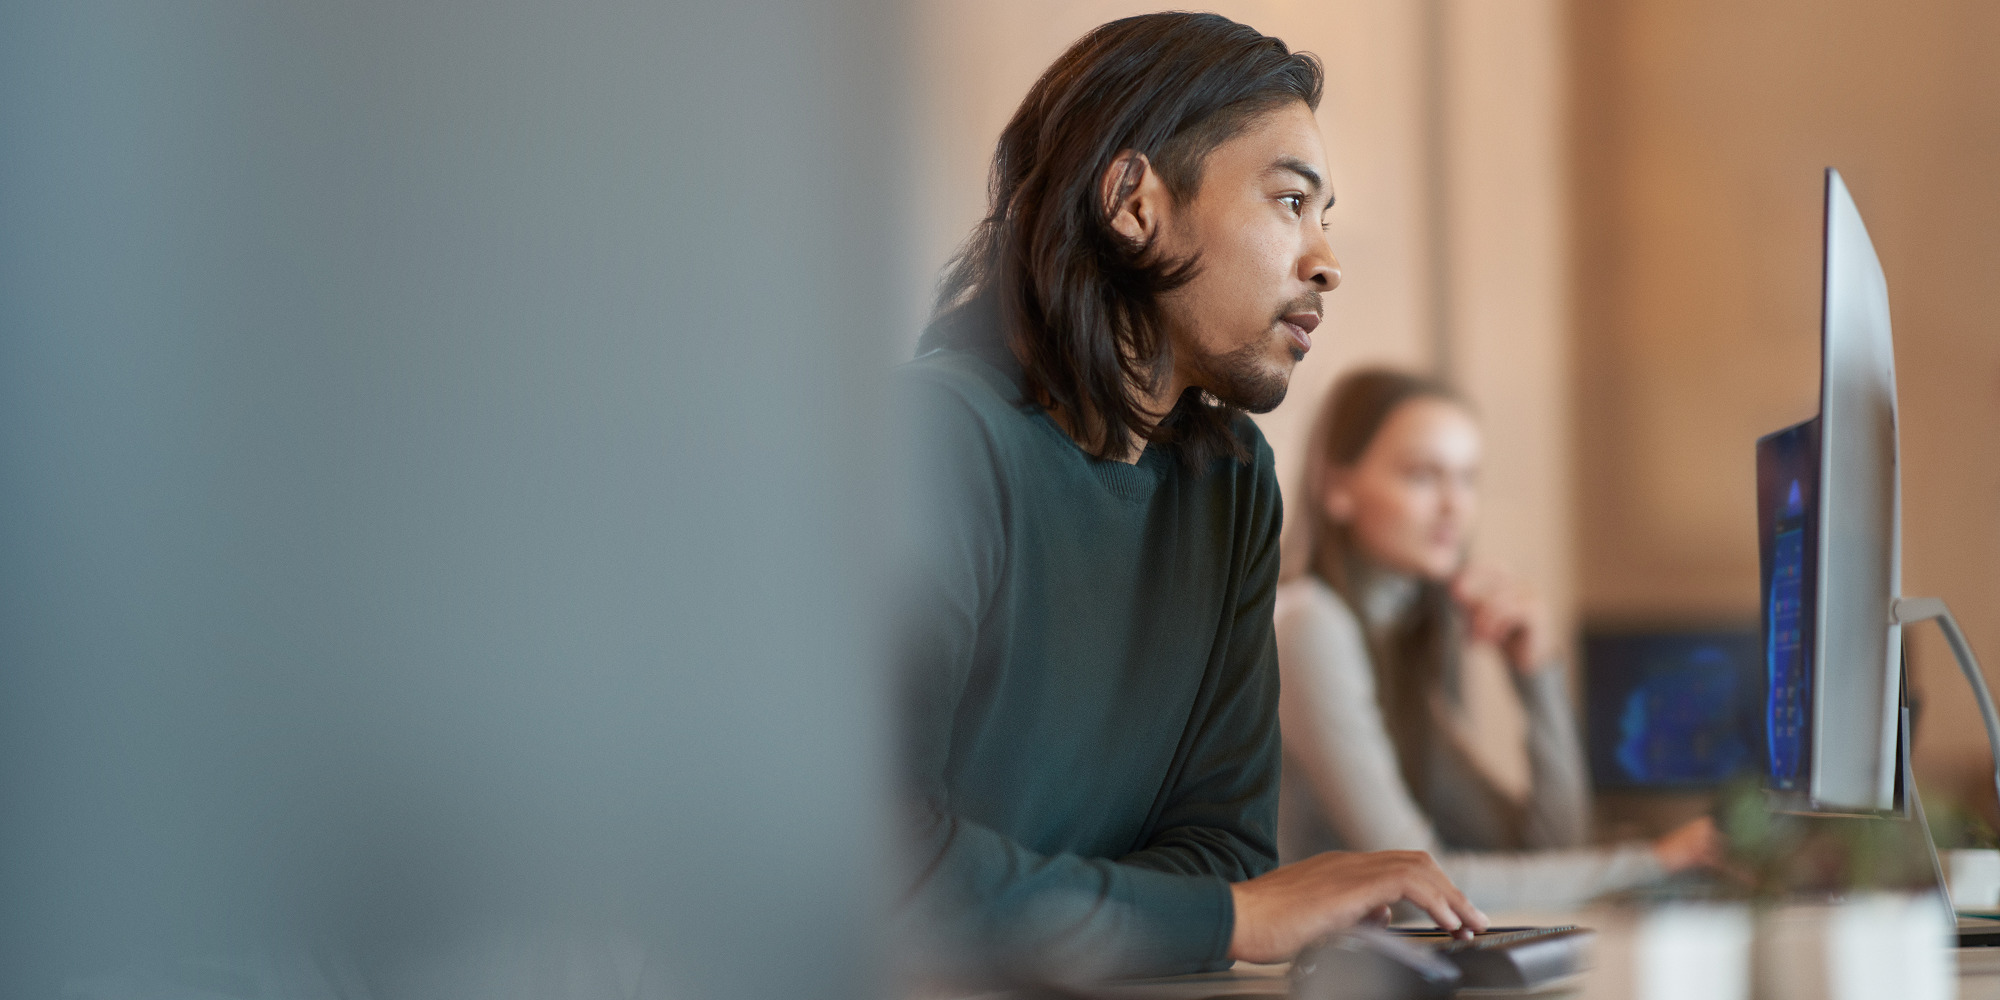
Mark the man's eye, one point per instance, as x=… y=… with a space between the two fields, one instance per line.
x=1295 y=202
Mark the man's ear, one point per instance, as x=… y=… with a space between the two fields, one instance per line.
x=1134 y=198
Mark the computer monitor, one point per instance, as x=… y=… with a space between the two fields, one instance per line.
x=1830 y=529
x=1673 y=709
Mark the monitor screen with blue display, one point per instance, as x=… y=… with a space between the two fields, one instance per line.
x=1674 y=709
x=1788 y=543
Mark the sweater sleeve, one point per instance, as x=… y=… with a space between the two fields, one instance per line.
x=1333 y=729
x=1500 y=881
x=1557 y=813
x=1555 y=869
x=1555 y=823
x=982 y=904
x=1218 y=813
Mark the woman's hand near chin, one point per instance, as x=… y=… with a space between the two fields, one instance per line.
x=1505 y=612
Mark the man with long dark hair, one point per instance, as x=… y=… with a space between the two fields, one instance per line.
x=1090 y=665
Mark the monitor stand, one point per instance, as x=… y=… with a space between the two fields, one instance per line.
x=1972 y=931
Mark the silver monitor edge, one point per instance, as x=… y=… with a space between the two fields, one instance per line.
x=1857 y=665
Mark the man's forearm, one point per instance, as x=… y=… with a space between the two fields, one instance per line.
x=1025 y=916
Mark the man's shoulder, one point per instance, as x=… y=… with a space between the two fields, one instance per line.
x=957 y=400
x=959 y=409
x=962 y=374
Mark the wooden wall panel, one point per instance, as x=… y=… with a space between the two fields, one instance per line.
x=1699 y=131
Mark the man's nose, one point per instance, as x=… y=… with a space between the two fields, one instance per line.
x=1320 y=267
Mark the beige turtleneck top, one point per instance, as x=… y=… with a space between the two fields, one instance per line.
x=1343 y=790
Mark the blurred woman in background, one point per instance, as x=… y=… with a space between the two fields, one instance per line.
x=1371 y=641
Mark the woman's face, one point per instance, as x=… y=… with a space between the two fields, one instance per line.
x=1411 y=497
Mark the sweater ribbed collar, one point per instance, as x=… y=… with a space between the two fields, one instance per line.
x=1387 y=598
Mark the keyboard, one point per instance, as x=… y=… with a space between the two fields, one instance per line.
x=1515 y=958
x=1978 y=930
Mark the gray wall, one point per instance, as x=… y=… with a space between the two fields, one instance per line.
x=437 y=463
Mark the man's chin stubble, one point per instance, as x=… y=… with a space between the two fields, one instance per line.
x=1242 y=379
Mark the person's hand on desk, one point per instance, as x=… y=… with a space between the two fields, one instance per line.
x=1694 y=844
x=1282 y=911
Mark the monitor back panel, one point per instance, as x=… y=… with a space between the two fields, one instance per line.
x=1860 y=546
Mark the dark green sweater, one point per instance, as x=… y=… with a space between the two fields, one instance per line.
x=1092 y=684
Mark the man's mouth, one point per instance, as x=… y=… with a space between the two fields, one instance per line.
x=1301 y=325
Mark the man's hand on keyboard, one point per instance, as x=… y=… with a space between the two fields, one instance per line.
x=1283 y=911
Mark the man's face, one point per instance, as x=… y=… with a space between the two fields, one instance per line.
x=1248 y=316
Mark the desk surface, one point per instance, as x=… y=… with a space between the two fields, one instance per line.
x=1245 y=980
x=1978 y=974
x=1978 y=979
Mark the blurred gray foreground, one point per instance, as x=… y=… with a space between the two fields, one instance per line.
x=438 y=461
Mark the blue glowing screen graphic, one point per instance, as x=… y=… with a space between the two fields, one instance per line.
x=1673 y=709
